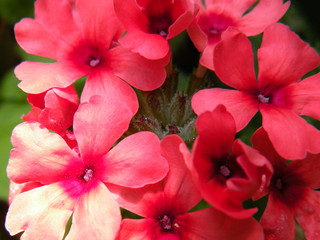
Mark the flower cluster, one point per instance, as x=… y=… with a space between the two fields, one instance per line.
x=115 y=148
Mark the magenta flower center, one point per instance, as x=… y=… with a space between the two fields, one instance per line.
x=166 y=223
x=213 y=25
x=88 y=174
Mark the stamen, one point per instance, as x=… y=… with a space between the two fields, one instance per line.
x=225 y=171
x=279 y=184
x=166 y=223
x=163 y=33
x=263 y=99
x=94 y=62
x=88 y=175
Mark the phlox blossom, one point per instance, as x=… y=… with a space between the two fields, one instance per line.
x=82 y=37
x=278 y=92
x=151 y=23
x=217 y=15
x=227 y=171
x=53 y=108
x=76 y=182
x=292 y=193
x=165 y=206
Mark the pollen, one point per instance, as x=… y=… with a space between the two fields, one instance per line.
x=166 y=223
x=94 y=62
x=263 y=99
x=225 y=171
x=88 y=174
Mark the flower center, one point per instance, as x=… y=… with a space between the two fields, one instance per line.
x=93 y=62
x=160 y=24
x=279 y=184
x=166 y=223
x=213 y=25
x=88 y=174
x=225 y=171
x=263 y=99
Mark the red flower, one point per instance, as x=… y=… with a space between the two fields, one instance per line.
x=165 y=206
x=227 y=172
x=291 y=192
x=76 y=182
x=218 y=15
x=283 y=59
x=82 y=37
x=151 y=23
x=54 y=108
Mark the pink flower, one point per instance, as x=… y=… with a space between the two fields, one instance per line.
x=151 y=23
x=54 y=108
x=292 y=193
x=277 y=93
x=76 y=183
x=165 y=206
x=218 y=15
x=82 y=38
x=227 y=172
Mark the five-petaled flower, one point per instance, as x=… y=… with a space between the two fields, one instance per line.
x=292 y=193
x=217 y=15
x=227 y=172
x=54 y=108
x=77 y=182
x=151 y=23
x=82 y=38
x=166 y=206
x=277 y=93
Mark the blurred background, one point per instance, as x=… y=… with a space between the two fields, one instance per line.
x=302 y=17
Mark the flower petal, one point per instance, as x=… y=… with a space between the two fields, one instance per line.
x=241 y=105
x=139 y=200
x=48 y=32
x=134 y=162
x=307 y=214
x=135 y=229
x=98 y=124
x=179 y=187
x=306 y=96
x=262 y=15
x=211 y=224
x=38 y=155
x=136 y=70
x=96 y=215
x=308 y=169
x=101 y=27
x=143 y=43
x=233 y=61
x=60 y=106
x=131 y=16
x=38 y=77
x=283 y=57
x=104 y=83
x=41 y=212
x=216 y=128
x=277 y=220
x=291 y=136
